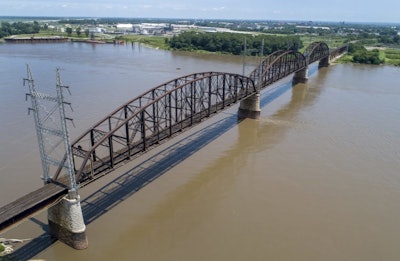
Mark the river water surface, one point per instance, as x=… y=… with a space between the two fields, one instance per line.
x=316 y=178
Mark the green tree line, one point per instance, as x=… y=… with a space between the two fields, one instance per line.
x=362 y=55
x=231 y=43
x=8 y=29
x=389 y=37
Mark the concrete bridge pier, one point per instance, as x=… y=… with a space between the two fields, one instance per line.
x=250 y=107
x=66 y=222
x=301 y=76
x=324 y=62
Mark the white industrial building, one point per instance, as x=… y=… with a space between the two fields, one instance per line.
x=124 y=27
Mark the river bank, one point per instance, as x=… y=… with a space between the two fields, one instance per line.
x=35 y=39
x=389 y=56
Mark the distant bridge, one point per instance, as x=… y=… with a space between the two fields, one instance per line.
x=152 y=118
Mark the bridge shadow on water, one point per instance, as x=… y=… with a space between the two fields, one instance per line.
x=141 y=175
x=128 y=183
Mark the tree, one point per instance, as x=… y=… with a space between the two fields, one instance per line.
x=36 y=27
x=68 y=30
x=7 y=29
x=367 y=57
x=356 y=47
x=87 y=32
x=232 y=43
x=78 y=31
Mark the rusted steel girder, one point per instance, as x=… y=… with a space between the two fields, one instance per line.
x=277 y=66
x=162 y=111
x=316 y=51
x=283 y=65
x=258 y=71
x=338 y=51
x=152 y=117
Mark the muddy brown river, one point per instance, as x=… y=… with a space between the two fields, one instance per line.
x=316 y=178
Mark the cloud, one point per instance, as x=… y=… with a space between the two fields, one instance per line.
x=218 y=8
x=266 y=9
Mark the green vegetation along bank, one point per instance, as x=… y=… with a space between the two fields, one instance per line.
x=233 y=43
x=357 y=53
x=196 y=38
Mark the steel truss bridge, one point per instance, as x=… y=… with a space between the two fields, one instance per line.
x=157 y=115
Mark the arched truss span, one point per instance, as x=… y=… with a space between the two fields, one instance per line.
x=169 y=108
x=283 y=65
x=316 y=51
x=338 y=51
x=153 y=117
x=257 y=72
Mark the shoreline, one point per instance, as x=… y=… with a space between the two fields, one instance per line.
x=35 y=39
x=16 y=39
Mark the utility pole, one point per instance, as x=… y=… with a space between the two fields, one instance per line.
x=260 y=66
x=65 y=218
x=244 y=55
x=68 y=164
x=51 y=129
x=35 y=96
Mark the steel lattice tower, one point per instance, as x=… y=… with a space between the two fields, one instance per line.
x=51 y=129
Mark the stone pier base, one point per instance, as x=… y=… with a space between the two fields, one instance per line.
x=324 y=62
x=66 y=223
x=301 y=76
x=250 y=107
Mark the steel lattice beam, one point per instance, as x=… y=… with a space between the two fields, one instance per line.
x=163 y=111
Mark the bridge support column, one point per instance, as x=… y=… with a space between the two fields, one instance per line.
x=66 y=223
x=324 y=62
x=250 y=107
x=301 y=76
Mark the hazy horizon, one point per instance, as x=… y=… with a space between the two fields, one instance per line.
x=386 y=11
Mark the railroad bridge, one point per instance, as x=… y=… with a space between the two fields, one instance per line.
x=145 y=122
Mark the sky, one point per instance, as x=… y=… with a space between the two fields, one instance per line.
x=302 y=10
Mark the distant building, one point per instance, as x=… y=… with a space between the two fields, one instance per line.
x=208 y=29
x=181 y=27
x=313 y=27
x=148 y=28
x=124 y=27
x=95 y=30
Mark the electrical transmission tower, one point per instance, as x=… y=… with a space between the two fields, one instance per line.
x=52 y=130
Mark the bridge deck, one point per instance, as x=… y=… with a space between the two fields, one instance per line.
x=29 y=204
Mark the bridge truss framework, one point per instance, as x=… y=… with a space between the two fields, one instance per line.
x=163 y=111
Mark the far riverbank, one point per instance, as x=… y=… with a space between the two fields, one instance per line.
x=389 y=56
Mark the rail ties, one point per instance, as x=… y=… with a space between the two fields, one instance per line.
x=29 y=204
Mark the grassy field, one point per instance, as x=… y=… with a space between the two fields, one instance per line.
x=153 y=41
x=391 y=56
x=331 y=41
x=388 y=55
